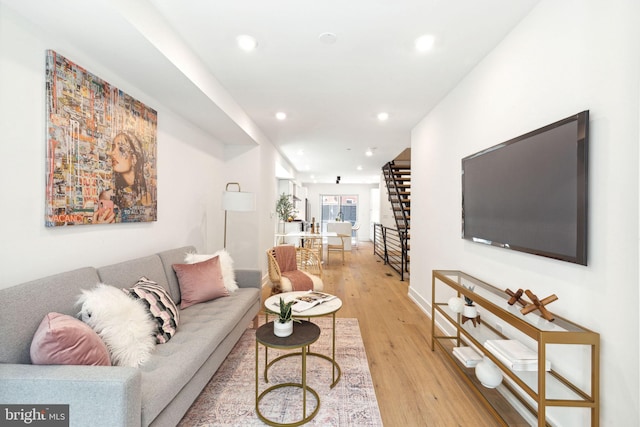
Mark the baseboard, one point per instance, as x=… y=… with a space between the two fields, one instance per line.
x=425 y=306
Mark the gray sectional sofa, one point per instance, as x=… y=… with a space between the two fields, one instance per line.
x=159 y=392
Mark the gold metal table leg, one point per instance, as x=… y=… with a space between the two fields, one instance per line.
x=303 y=385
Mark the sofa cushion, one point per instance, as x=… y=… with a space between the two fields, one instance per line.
x=168 y=258
x=25 y=305
x=125 y=274
x=200 y=282
x=64 y=340
x=226 y=265
x=203 y=327
x=160 y=305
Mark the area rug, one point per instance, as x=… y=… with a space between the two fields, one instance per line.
x=229 y=398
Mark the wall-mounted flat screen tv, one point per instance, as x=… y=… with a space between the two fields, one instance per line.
x=529 y=194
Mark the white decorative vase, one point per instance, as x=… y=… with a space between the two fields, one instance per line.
x=470 y=311
x=282 y=329
x=455 y=304
x=488 y=373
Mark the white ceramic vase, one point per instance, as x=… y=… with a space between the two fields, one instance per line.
x=282 y=329
x=470 y=311
x=488 y=373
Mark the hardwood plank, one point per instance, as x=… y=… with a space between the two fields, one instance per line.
x=414 y=385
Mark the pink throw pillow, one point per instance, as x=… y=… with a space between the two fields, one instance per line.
x=200 y=282
x=64 y=340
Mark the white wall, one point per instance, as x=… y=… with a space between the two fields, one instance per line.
x=250 y=234
x=563 y=58
x=374 y=211
x=243 y=228
x=191 y=173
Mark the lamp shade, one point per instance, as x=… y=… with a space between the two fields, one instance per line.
x=238 y=201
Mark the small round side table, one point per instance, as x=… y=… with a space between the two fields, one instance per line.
x=304 y=334
x=328 y=308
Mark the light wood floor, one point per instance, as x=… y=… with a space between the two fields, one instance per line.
x=414 y=386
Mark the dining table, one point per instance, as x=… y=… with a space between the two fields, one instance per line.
x=305 y=235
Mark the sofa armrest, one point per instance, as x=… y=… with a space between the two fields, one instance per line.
x=96 y=395
x=248 y=278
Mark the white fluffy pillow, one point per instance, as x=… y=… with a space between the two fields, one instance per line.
x=124 y=324
x=226 y=265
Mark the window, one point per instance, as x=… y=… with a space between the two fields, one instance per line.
x=339 y=206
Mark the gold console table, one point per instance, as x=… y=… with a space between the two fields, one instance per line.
x=539 y=391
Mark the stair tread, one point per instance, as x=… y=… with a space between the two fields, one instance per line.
x=398 y=181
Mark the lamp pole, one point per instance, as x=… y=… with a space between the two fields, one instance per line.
x=225 y=212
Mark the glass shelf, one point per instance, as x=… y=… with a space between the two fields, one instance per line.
x=535 y=391
x=499 y=298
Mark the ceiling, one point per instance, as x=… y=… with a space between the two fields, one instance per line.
x=184 y=54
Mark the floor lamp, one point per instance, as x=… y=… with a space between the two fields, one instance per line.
x=237 y=201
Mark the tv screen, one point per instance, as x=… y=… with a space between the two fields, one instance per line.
x=529 y=194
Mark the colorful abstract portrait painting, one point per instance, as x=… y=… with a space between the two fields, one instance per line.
x=101 y=150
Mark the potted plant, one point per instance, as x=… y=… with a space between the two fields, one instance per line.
x=284 y=208
x=283 y=326
x=469 y=310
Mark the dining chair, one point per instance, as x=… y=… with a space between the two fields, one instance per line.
x=315 y=245
x=334 y=246
x=354 y=234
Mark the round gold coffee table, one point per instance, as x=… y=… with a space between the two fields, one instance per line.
x=304 y=334
x=328 y=308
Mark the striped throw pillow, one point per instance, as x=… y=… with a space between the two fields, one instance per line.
x=160 y=306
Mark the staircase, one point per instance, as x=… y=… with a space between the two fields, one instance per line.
x=397 y=175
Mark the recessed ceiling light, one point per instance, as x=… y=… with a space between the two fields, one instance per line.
x=425 y=43
x=383 y=116
x=359 y=168
x=369 y=152
x=280 y=115
x=246 y=42
x=327 y=38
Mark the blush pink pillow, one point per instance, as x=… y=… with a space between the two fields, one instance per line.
x=200 y=282
x=64 y=340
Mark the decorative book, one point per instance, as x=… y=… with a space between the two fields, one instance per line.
x=515 y=355
x=306 y=301
x=467 y=355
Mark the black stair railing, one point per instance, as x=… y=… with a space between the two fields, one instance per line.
x=387 y=244
x=398 y=179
